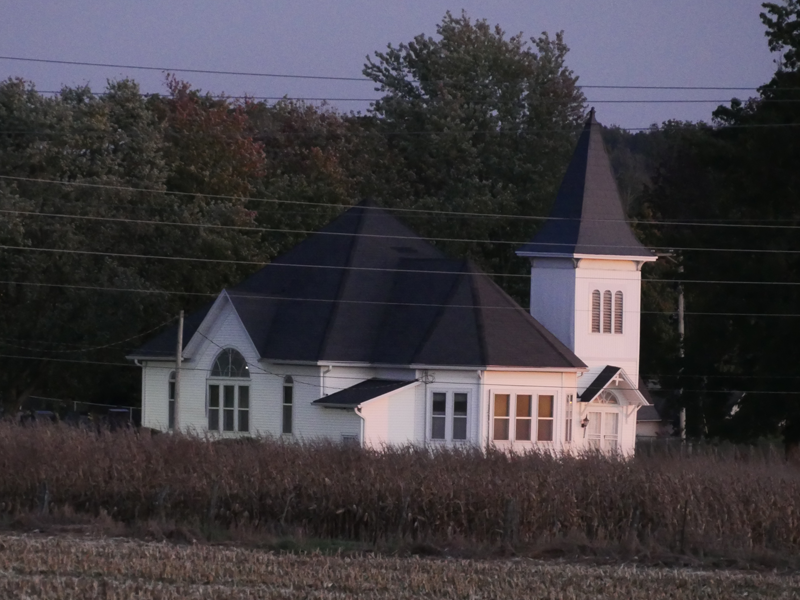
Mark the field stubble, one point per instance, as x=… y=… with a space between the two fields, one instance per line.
x=56 y=568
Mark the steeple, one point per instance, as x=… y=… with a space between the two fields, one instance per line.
x=587 y=218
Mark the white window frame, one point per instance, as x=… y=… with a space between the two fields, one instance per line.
x=237 y=383
x=534 y=393
x=450 y=393
x=604 y=439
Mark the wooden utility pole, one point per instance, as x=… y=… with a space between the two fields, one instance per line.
x=178 y=361
x=681 y=333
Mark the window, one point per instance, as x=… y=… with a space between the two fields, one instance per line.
x=533 y=419
x=171 y=402
x=596 y=311
x=502 y=410
x=449 y=416
x=568 y=432
x=288 y=404
x=606 y=317
x=545 y=420
x=229 y=399
x=523 y=425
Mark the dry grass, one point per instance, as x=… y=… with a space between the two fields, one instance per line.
x=695 y=506
x=58 y=568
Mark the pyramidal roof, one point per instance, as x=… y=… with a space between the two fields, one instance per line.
x=587 y=217
x=366 y=288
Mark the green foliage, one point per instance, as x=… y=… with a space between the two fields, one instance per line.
x=123 y=146
x=477 y=122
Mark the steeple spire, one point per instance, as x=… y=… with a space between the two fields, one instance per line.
x=587 y=217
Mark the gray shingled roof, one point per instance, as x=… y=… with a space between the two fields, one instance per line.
x=361 y=392
x=367 y=289
x=601 y=381
x=587 y=217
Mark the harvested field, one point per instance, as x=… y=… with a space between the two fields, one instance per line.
x=66 y=567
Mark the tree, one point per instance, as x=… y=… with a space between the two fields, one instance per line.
x=477 y=122
x=112 y=160
x=742 y=174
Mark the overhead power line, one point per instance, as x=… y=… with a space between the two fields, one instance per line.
x=374 y=99
x=257 y=370
x=339 y=78
x=256 y=229
x=732 y=223
x=350 y=267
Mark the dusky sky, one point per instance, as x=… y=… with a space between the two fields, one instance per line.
x=613 y=42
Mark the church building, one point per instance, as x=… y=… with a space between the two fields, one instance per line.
x=365 y=333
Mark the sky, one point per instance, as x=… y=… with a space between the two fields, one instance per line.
x=708 y=43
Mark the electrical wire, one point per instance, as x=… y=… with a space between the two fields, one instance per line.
x=337 y=78
x=476 y=215
x=352 y=268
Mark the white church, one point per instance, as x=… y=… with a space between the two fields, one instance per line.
x=365 y=333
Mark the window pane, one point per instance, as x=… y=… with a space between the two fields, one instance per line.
x=213 y=396
x=546 y=406
x=524 y=430
x=228 y=395
x=437 y=428
x=460 y=405
x=523 y=406
x=230 y=363
x=171 y=390
x=501 y=405
x=227 y=420
x=171 y=417
x=545 y=433
x=611 y=423
x=500 y=428
x=213 y=419
x=459 y=428
x=439 y=403
x=244 y=397
x=244 y=420
x=288 y=394
x=594 y=423
x=287 y=418
x=568 y=432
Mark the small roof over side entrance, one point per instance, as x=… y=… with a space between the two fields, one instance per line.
x=363 y=392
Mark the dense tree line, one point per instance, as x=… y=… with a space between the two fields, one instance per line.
x=469 y=121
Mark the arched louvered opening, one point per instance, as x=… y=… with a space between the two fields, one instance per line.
x=607 y=311
x=618 y=312
x=596 y=311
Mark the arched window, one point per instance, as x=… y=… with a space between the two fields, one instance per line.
x=229 y=400
x=171 y=401
x=596 y=311
x=607 y=311
x=605 y=397
x=230 y=363
x=618 y=312
x=288 y=401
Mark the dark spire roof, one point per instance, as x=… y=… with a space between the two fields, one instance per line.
x=368 y=289
x=587 y=215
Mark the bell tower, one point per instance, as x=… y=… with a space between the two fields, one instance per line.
x=586 y=263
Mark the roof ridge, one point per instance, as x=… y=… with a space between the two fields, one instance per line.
x=439 y=314
x=346 y=274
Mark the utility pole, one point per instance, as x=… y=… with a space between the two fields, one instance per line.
x=178 y=361
x=681 y=333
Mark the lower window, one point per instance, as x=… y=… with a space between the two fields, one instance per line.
x=228 y=408
x=449 y=416
x=523 y=417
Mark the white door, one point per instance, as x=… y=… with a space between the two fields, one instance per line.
x=603 y=430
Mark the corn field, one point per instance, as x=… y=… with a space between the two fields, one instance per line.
x=61 y=568
x=684 y=504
